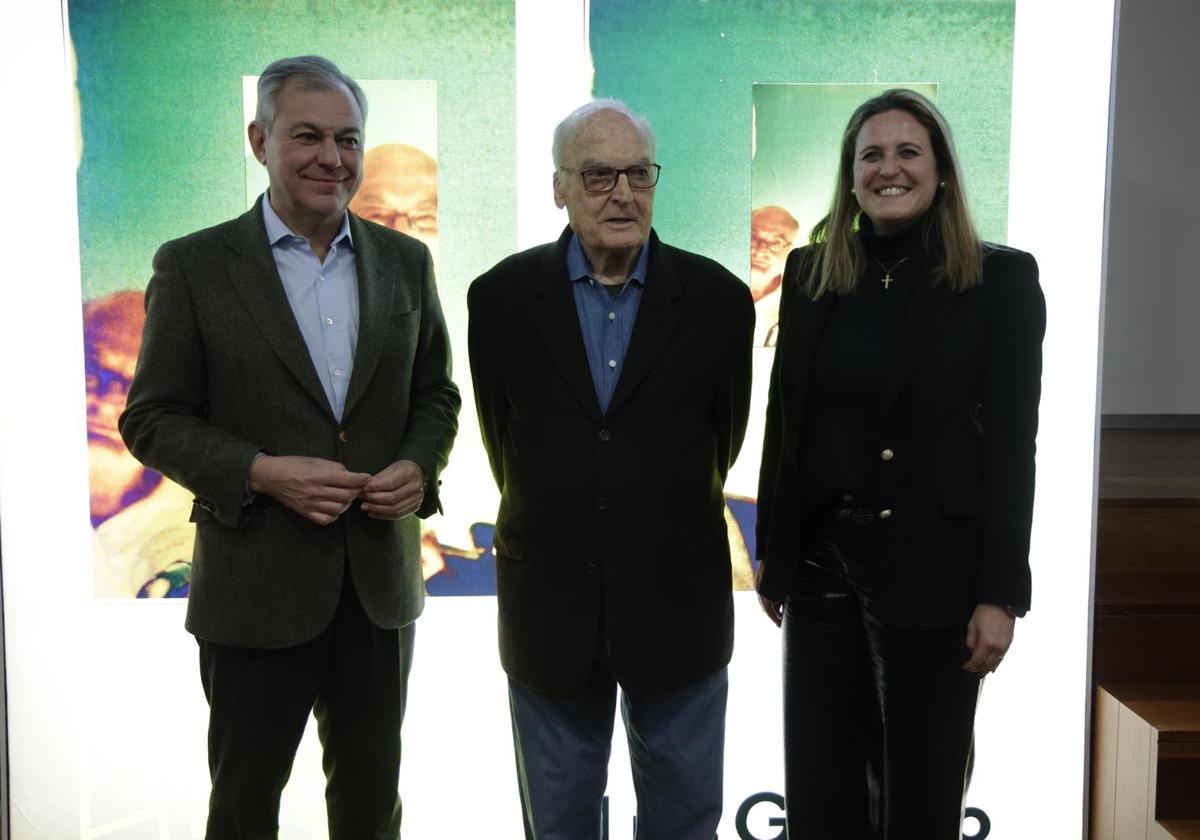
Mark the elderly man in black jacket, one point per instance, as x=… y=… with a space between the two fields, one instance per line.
x=612 y=380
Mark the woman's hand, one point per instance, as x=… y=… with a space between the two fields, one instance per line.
x=989 y=635
x=773 y=609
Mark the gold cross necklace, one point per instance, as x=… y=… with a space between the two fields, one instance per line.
x=887 y=272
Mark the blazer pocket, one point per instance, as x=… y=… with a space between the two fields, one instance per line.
x=962 y=501
x=509 y=547
x=401 y=340
x=201 y=512
x=713 y=538
x=699 y=572
x=404 y=325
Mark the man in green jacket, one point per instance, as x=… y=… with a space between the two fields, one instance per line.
x=295 y=376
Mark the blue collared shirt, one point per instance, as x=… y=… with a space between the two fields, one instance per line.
x=324 y=300
x=606 y=320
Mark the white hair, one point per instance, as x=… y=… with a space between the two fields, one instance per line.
x=566 y=130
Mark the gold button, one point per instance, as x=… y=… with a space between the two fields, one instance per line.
x=887 y=455
x=885 y=514
x=343 y=437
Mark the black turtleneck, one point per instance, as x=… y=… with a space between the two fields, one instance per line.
x=852 y=358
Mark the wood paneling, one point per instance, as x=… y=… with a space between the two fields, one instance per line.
x=1146 y=638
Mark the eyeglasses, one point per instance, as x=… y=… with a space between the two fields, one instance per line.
x=103 y=382
x=604 y=179
x=416 y=221
x=772 y=245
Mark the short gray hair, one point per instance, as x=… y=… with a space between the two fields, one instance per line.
x=569 y=127
x=311 y=72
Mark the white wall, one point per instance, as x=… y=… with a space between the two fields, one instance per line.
x=1152 y=296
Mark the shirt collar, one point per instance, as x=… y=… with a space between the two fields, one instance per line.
x=277 y=229
x=578 y=267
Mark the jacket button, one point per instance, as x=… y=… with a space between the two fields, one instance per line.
x=887 y=455
x=885 y=514
x=590 y=569
x=602 y=504
x=604 y=435
x=343 y=437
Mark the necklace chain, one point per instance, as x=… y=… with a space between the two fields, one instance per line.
x=887 y=279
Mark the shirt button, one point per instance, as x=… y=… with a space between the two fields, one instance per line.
x=343 y=437
x=612 y=363
x=329 y=322
x=847 y=497
x=602 y=504
x=612 y=316
x=320 y=278
x=885 y=514
x=337 y=371
x=604 y=434
x=887 y=455
x=591 y=568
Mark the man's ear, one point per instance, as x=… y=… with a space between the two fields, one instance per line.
x=560 y=200
x=258 y=142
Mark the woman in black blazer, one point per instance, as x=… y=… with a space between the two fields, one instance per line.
x=897 y=479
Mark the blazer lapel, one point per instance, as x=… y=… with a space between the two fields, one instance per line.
x=554 y=311
x=656 y=319
x=799 y=348
x=928 y=310
x=252 y=273
x=376 y=278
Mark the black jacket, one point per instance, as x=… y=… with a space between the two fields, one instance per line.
x=612 y=520
x=958 y=417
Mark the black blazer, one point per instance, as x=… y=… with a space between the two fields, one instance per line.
x=224 y=373
x=612 y=522
x=958 y=413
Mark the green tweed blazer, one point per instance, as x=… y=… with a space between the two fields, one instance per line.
x=224 y=374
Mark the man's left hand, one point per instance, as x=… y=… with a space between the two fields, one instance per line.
x=396 y=492
x=989 y=635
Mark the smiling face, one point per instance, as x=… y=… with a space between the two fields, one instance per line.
x=313 y=155
x=895 y=170
x=615 y=223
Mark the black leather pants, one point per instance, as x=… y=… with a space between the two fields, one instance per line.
x=878 y=719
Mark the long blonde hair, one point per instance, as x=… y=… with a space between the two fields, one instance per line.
x=949 y=233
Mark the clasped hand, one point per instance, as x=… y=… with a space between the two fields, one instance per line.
x=322 y=490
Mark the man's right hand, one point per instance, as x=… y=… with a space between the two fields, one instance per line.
x=316 y=489
x=773 y=609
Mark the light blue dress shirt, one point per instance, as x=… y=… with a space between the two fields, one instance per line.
x=606 y=320
x=324 y=300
